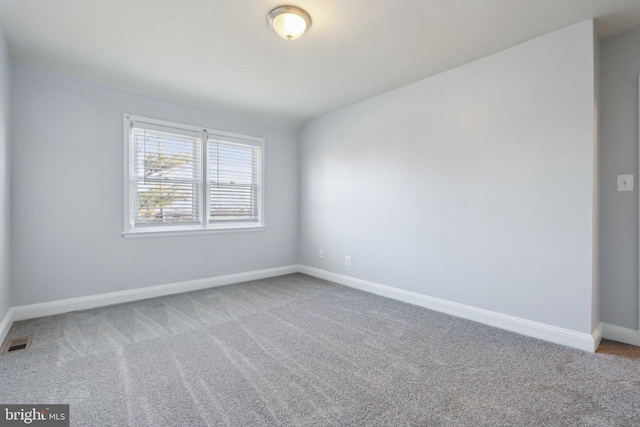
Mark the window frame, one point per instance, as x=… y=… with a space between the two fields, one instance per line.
x=203 y=227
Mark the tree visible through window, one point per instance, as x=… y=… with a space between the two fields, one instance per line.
x=165 y=177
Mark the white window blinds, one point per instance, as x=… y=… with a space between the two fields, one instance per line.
x=181 y=177
x=166 y=177
x=234 y=182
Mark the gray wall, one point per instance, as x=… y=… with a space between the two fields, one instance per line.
x=5 y=137
x=67 y=200
x=595 y=307
x=475 y=186
x=620 y=68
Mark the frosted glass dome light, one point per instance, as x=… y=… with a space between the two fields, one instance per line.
x=289 y=22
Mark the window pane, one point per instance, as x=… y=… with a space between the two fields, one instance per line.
x=165 y=184
x=234 y=182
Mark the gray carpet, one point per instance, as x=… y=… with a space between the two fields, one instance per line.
x=295 y=350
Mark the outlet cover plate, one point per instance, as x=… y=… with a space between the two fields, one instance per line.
x=625 y=182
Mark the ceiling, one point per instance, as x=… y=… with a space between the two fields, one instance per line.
x=221 y=54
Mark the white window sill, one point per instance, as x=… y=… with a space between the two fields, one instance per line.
x=166 y=233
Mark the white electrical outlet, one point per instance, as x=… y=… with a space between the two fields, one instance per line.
x=625 y=182
x=321 y=254
x=347 y=260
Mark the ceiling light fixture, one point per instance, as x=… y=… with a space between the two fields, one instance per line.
x=289 y=22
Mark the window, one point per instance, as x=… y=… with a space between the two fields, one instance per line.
x=184 y=178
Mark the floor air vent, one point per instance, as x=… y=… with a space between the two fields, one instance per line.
x=17 y=344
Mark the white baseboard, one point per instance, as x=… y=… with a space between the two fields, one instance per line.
x=5 y=325
x=620 y=334
x=554 y=334
x=83 y=303
x=570 y=338
x=597 y=336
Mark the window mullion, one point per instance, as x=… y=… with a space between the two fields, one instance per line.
x=204 y=180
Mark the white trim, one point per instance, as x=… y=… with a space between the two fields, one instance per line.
x=156 y=233
x=6 y=324
x=620 y=334
x=127 y=162
x=196 y=129
x=83 y=303
x=570 y=338
x=597 y=336
x=554 y=334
